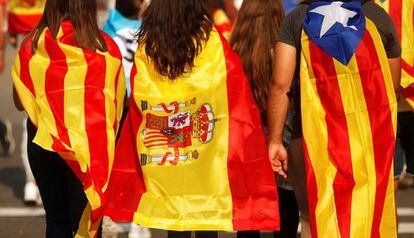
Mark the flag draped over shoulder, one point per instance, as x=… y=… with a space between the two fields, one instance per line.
x=74 y=97
x=23 y=15
x=192 y=153
x=349 y=123
x=402 y=13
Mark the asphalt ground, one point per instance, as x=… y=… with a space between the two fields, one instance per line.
x=18 y=220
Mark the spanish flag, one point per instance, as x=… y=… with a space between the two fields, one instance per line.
x=349 y=111
x=75 y=99
x=402 y=13
x=24 y=15
x=192 y=153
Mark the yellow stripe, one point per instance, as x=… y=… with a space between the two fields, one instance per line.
x=74 y=104
x=388 y=221
x=314 y=126
x=386 y=70
x=13 y=8
x=408 y=32
x=38 y=67
x=385 y=5
x=113 y=112
x=26 y=97
x=362 y=152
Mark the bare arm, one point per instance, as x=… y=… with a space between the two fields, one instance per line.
x=395 y=65
x=278 y=104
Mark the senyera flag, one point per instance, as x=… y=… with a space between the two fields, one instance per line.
x=402 y=13
x=23 y=15
x=74 y=97
x=222 y=22
x=349 y=113
x=192 y=153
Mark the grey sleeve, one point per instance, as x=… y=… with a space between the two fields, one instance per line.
x=291 y=28
x=386 y=28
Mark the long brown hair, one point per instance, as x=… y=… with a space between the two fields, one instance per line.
x=173 y=33
x=82 y=14
x=253 y=38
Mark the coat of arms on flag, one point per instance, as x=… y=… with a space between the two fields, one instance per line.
x=176 y=130
x=349 y=113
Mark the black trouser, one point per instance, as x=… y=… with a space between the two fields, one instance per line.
x=406 y=135
x=289 y=214
x=62 y=193
x=187 y=234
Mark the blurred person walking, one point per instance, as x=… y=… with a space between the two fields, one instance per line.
x=337 y=145
x=6 y=134
x=254 y=38
x=66 y=77
x=194 y=131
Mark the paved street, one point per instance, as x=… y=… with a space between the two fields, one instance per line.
x=17 y=220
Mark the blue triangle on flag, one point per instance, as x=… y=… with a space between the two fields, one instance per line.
x=336 y=27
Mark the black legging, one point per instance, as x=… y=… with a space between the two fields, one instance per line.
x=62 y=193
x=187 y=234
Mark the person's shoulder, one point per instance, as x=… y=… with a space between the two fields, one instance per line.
x=298 y=13
x=376 y=13
x=113 y=48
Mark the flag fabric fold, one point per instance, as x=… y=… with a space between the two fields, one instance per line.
x=192 y=154
x=23 y=15
x=402 y=14
x=349 y=123
x=75 y=98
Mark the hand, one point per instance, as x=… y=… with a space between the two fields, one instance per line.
x=279 y=159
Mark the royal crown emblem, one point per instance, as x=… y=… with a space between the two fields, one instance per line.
x=176 y=130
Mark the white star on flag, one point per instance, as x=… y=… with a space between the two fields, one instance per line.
x=334 y=13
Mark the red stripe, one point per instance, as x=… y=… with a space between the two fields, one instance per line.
x=25 y=55
x=395 y=11
x=338 y=138
x=95 y=116
x=407 y=68
x=55 y=86
x=312 y=191
x=383 y=136
x=252 y=183
x=22 y=24
x=408 y=92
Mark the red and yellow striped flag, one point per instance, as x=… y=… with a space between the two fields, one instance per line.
x=402 y=13
x=192 y=153
x=23 y=15
x=75 y=99
x=349 y=125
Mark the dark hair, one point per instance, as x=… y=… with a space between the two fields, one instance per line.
x=253 y=38
x=173 y=33
x=129 y=8
x=82 y=14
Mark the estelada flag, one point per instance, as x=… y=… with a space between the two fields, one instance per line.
x=23 y=15
x=349 y=111
x=402 y=14
x=192 y=153
x=74 y=97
